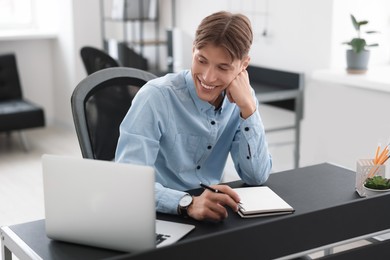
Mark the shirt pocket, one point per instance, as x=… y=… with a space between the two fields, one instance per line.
x=185 y=152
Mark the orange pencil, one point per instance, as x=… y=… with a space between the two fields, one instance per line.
x=384 y=159
x=383 y=154
x=381 y=161
x=376 y=154
x=373 y=171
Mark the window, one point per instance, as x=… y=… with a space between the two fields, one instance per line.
x=16 y=14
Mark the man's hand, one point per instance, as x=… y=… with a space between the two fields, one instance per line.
x=239 y=92
x=211 y=205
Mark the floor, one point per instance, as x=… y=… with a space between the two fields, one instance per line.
x=21 y=194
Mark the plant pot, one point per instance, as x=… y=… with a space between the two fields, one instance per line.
x=372 y=192
x=357 y=62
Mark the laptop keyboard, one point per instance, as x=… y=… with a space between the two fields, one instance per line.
x=161 y=237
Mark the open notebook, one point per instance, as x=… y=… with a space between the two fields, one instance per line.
x=104 y=204
x=261 y=201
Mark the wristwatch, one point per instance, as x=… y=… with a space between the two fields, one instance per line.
x=184 y=203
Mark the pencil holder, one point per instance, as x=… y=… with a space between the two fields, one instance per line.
x=365 y=168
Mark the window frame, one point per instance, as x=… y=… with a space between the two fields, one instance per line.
x=23 y=17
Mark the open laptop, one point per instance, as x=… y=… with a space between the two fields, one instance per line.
x=104 y=204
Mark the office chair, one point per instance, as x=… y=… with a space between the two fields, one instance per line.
x=99 y=104
x=16 y=113
x=95 y=59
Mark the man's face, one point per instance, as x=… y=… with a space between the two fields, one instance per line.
x=212 y=71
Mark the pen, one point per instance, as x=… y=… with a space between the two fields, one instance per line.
x=204 y=186
x=209 y=188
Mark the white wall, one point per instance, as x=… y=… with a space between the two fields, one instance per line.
x=34 y=55
x=303 y=35
x=342 y=123
x=377 y=13
x=334 y=127
x=79 y=25
x=293 y=36
x=293 y=42
x=50 y=68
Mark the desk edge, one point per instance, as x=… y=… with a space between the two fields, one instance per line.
x=16 y=245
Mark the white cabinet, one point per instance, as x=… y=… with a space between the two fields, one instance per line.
x=345 y=116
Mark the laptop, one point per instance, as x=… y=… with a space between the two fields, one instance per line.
x=104 y=204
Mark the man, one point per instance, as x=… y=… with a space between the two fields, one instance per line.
x=186 y=123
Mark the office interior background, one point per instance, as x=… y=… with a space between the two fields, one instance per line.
x=344 y=115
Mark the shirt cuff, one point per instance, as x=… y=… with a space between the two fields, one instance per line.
x=167 y=199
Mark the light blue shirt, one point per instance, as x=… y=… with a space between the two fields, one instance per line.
x=188 y=141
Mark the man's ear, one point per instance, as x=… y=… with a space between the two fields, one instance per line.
x=245 y=62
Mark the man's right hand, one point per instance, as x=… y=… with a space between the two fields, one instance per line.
x=211 y=205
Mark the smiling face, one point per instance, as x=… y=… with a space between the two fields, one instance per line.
x=212 y=71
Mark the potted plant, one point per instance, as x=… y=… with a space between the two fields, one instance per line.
x=375 y=185
x=358 y=55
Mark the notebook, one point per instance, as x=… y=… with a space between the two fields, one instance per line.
x=104 y=204
x=261 y=201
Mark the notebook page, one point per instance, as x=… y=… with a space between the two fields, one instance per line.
x=261 y=199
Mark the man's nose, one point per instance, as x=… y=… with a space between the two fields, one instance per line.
x=210 y=75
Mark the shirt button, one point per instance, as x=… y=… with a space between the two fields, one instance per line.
x=209 y=147
x=246 y=128
x=248 y=157
x=198 y=167
x=213 y=122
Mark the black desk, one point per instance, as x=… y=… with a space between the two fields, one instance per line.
x=328 y=211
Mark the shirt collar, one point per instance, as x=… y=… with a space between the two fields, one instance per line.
x=225 y=102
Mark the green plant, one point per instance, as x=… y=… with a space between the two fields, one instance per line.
x=359 y=44
x=377 y=183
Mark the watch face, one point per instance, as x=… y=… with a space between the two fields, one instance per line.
x=185 y=201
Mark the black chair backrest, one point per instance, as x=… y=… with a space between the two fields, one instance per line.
x=273 y=80
x=95 y=59
x=99 y=104
x=10 y=87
